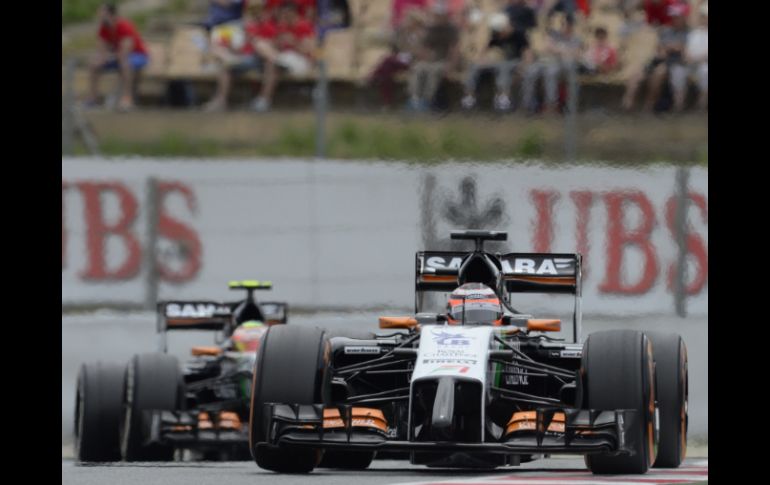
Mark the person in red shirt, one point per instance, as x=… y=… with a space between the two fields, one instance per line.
x=121 y=48
x=258 y=27
x=600 y=57
x=290 y=46
x=663 y=12
x=307 y=9
x=656 y=12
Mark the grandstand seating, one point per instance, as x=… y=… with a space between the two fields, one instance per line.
x=353 y=53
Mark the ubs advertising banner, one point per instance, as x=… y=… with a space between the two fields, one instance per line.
x=343 y=234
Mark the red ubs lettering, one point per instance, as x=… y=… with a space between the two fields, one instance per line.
x=619 y=238
x=99 y=230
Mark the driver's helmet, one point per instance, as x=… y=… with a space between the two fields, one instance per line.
x=246 y=337
x=474 y=304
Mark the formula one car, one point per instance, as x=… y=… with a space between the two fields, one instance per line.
x=481 y=385
x=149 y=409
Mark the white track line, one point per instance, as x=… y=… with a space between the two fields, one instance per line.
x=687 y=474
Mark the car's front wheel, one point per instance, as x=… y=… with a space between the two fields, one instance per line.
x=618 y=372
x=671 y=367
x=98 y=405
x=291 y=368
x=153 y=383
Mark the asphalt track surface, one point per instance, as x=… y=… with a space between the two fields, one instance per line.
x=111 y=336
x=555 y=471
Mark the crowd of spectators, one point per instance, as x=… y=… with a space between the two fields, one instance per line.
x=274 y=37
x=681 y=51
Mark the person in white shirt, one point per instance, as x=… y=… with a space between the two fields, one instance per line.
x=696 y=64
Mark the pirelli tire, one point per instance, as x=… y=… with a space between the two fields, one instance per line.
x=670 y=355
x=153 y=383
x=291 y=368
x=618 y=373
x=98 y=407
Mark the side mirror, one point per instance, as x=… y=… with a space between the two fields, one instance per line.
x=544 y=325
x=398 y=322
x=199 y=350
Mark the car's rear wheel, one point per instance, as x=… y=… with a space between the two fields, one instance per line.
x=98 y=405
x=153 y=383
x=291 y=368
x=670 y=355
x=618 y=373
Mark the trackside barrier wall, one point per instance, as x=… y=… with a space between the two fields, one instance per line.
x=337 y=233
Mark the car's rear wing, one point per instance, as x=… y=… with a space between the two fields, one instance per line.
x=210 y=315
x=193 y=315
x=520 y=273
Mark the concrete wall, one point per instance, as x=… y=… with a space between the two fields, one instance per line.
x=333 y=234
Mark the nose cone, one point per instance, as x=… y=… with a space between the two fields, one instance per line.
x=442 y=420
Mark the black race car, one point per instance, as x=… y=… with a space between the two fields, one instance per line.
x=461 y=390
x=152 y=407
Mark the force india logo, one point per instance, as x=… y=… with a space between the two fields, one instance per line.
x=451 y=339
x=546 y=266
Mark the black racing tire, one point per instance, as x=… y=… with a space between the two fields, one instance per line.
x=618 y=372
x=98 y=409
x=153 y=382
x=670 y=355
x=347 y=460
x=291 y=368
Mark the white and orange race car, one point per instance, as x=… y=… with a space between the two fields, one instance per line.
x=478 y=385
x=152 y=407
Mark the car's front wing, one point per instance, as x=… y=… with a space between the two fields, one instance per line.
x=181 y=429
x=585 y=431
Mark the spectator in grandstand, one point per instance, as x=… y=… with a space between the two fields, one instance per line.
x=657 y=12
x=401 y=8
x=337 y=15
x=696 y=56
x=522 y=16
x=306 y=9
x=670 y=55
x=560 y=54
x=566 y=7
x=456 y=9
x=634 y=18
x=404 y=47
x=600 y=57
x=223 y=11
x=290 y=46
x=438 y=54
x=121 y=49
x=505 y=51
x=662 y=12
x=233 y=59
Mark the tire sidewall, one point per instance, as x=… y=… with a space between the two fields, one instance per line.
x=596 y=361
x=135 y=425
